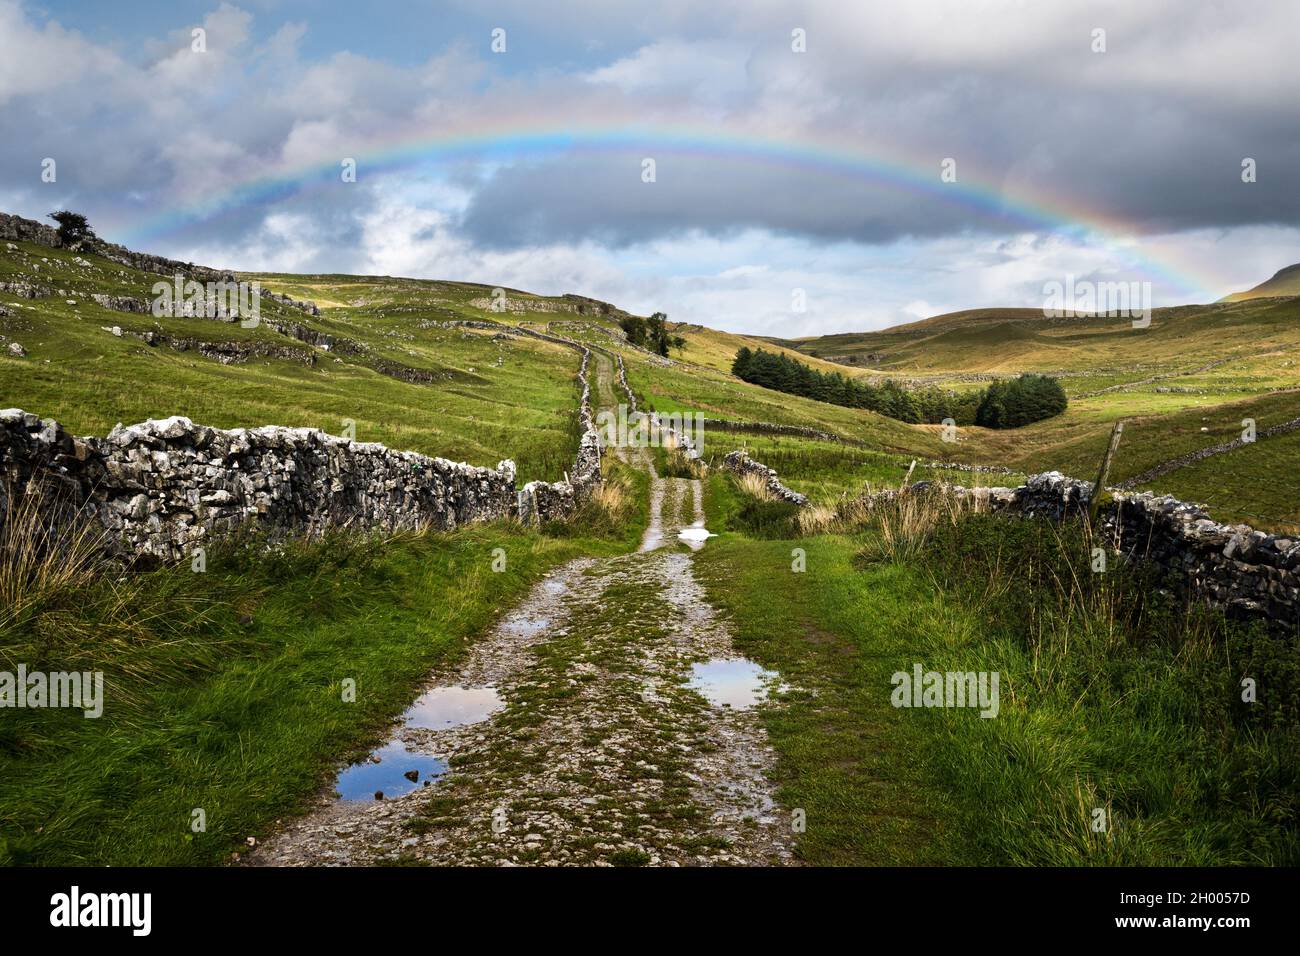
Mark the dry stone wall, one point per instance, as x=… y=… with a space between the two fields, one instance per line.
x=161 y=488
x=679 y=438
x=1247 y=572
x=737 y=462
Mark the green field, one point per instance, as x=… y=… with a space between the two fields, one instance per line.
x=1114 y=698
x=493 y=397
x=1106 y=712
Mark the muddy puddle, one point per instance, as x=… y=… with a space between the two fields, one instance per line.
x=733 y=682
x=695 y=535
x=397 y=772
x=394 y=770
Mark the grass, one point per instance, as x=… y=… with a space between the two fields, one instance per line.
x=224 y=689
x=1113 y=698
x=494 y=398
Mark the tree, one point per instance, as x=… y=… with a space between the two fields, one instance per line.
x=740 y=367
x=73 y=228
x=657 y=333
x=651 y=333
x=1020 y=401
x=634 y=327
x=1004 y=404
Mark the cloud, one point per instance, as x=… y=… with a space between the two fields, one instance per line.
x=1149 y=134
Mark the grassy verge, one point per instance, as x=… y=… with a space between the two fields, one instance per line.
x=1115 y=703
x=832 y=633
x=224 y=690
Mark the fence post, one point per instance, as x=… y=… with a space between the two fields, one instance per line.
x=907 y=477
x=1099 y=487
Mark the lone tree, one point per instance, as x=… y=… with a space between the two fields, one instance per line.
x=73 y=228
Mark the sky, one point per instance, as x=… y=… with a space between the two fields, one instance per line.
x=776 y=168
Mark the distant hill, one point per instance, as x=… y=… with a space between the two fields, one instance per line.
x=419 y=364
x=1284 y=282
x=1008 y=341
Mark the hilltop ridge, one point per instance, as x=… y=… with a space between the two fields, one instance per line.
x=1285 y=281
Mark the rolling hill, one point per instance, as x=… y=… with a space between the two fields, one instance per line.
x=1284 y=282
x=417 y=364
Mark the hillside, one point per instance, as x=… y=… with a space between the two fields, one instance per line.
x=1284 y=282
x=1184 y=384
x=585 y=643
x=415 y=364
x=393 y=356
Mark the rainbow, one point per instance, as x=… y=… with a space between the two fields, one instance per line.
x=518 y=138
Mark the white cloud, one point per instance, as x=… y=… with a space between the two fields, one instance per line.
x=1006 y=85
x=43 y=60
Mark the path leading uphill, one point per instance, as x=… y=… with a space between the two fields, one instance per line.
x=600 y=753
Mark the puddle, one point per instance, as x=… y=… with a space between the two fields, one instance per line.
x=732 y=682
x=435 y=709
x=527 y=626
x=695 y=535
x=362 y=781
x=445 y=707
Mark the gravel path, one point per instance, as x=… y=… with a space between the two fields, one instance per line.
x=601 y=755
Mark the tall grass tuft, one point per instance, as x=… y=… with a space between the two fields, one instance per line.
x=755 y=486
x=1123 y=699
x=675 y=464
x=49 y=548
x=818 y=519
x=904 y=523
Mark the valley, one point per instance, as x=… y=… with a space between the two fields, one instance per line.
x=227 y=690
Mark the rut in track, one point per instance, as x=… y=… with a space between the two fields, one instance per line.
x=601 y=754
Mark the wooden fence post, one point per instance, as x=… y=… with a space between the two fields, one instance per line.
x=1099 y=487
x=907 y=477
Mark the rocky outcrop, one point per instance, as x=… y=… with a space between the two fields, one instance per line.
x=159 y=265
x=122 y=303
x=25 y=290
x=18 y=229
x=229 y=353
x=308 y=307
